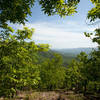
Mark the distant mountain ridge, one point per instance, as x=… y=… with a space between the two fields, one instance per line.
x=69 y=54
x=74 y=51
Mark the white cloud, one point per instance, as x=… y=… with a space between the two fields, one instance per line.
x=61 y=35
x=66 y=35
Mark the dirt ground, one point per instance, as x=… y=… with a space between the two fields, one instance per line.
x=48 y=95
x=52 y=95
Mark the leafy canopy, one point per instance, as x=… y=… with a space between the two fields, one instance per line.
x=18 y=66
x=16 y=11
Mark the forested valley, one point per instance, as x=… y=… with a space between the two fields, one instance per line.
x=32 y=69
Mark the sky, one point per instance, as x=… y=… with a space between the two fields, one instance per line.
x=60 y=32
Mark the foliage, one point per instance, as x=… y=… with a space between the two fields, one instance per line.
x=52 y=73
x=18 y=69
x=83 y=72
x=94 y=13
x=22 y=8
x=15 y=10
x=61 y=7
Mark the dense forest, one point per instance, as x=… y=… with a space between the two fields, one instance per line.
x=27 y=66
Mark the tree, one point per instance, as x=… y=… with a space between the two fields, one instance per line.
x=18 y=68
x=52 y=73
x=83 y=74
x=94 y=13
x=17 y=11
x=76 y=73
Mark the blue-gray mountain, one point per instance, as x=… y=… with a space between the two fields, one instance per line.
x=73 y=51
x=69 y=54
